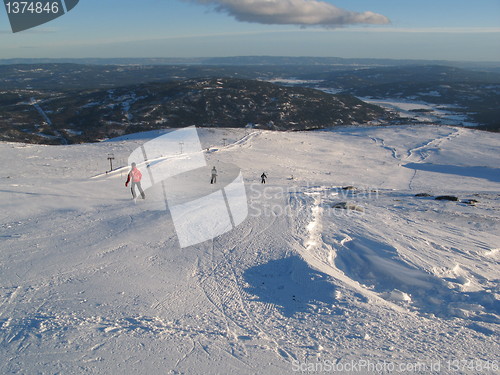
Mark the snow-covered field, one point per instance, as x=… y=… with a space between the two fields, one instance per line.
x=92 y=283
x=447 y=114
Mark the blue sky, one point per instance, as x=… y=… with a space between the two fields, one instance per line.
x=438 y=29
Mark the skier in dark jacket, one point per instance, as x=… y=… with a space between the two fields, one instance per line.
x=263 y=178
x=214 y=176
x=135 y=176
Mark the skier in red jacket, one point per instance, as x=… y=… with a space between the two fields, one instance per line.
x=135 y=175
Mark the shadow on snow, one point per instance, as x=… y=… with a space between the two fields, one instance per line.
x=491 y=174
x=289 y=283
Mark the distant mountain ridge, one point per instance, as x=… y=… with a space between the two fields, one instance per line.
x=254 y=61
x=67 y=93
x=92 y=115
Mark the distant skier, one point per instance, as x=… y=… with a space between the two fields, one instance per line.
x=263 y=178
x=135 y=176
x=214 y=176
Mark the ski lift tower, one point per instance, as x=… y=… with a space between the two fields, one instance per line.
x=111 y=157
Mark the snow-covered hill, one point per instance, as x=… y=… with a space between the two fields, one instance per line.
x=92 y=283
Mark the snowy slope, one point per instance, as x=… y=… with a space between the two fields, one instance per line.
x=92 y=283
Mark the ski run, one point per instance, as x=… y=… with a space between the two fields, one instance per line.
x=337 y=266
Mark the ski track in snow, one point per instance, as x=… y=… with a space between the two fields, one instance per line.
x=420 y=152
x=92 y=284
x=44 y=115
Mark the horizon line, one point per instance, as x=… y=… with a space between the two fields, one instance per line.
x=194 y=58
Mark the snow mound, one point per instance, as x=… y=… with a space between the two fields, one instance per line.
x=397 y=296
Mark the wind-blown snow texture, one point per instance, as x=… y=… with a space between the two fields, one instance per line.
x=92 y=283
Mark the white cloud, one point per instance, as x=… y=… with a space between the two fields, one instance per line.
x=293 y=12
